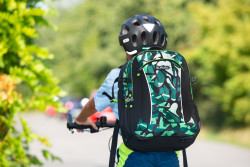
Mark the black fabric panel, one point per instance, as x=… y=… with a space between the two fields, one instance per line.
x=141 y=95
x=189 y=107
x=197 y=117
x=123 y=118
x=135 y=111
x=160 y=143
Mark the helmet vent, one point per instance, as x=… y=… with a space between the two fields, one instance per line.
x=144 y=38
x=134 y=40
x=136 y=23
x=125 y=30
x=157 y=22
x=145 y=18
x=155 y=37
x=162 y=40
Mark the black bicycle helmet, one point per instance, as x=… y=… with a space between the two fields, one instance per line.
x=142 y=31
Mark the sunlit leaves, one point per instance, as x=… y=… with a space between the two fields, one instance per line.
x=21 y=64
x=221 y=56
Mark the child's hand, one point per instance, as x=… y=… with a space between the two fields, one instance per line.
x=87 y=122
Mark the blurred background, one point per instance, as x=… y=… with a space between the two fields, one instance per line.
x=54 y=54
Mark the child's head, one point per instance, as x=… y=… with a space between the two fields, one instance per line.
x=141 y=32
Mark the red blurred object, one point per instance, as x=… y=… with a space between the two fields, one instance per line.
x=108 y=112
x=69 y=105
x=51 y=110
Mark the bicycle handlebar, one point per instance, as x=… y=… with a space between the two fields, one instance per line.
x=100 y=123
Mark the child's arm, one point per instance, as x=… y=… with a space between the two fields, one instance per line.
x=88 y=110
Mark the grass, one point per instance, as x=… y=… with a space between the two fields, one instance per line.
x=240 y=137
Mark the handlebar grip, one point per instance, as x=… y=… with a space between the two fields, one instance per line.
x=76 y=126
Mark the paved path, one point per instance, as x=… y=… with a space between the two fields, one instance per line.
x=91 y=150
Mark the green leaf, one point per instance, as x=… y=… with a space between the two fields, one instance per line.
x=30 y=32
x=46 y=154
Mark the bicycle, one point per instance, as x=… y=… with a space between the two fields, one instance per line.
x=100 y=123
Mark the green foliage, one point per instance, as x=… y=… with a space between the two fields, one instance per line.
x=86 y=45
x=21 y=64
x=210 y=34
x=220 y=55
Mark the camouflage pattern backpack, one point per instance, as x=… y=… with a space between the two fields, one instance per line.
x=155 y=102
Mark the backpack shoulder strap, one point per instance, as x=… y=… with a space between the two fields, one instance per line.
x=112 y=97
x=114 y=145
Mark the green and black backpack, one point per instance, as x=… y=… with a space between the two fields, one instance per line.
x=155 y=103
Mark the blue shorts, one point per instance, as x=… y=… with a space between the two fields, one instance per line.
x=129 y=158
